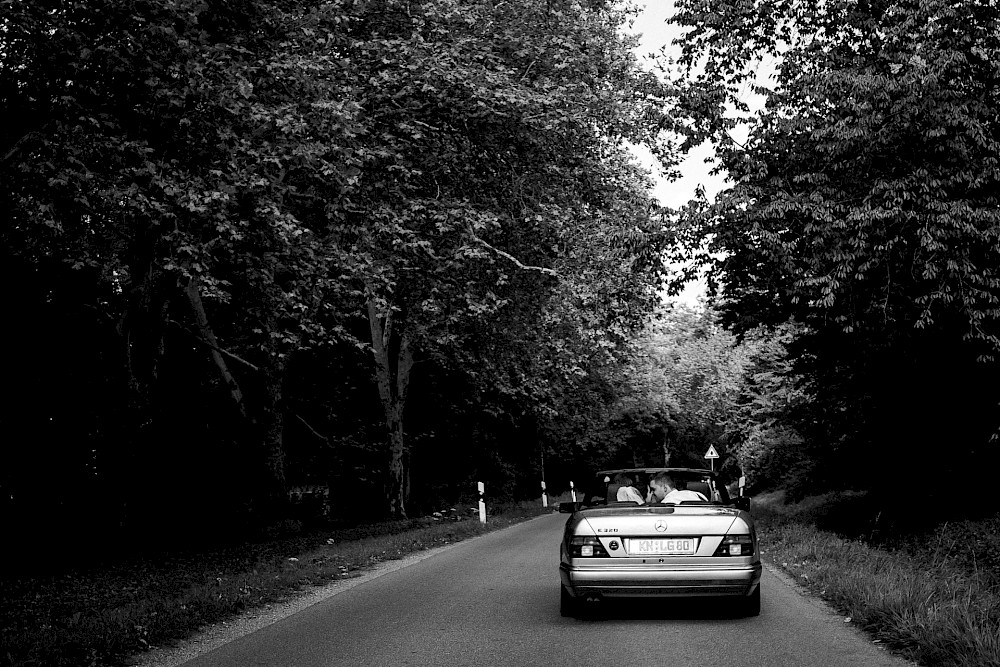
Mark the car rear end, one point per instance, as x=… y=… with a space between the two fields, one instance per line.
x=660 y=551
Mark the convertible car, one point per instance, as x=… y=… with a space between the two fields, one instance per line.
x=700 y=542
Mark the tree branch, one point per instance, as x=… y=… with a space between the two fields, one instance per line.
x=515 y=260
x=218 y=349
x=17 y=144
x=312 y=430
x=528 y=69
x=194 y=297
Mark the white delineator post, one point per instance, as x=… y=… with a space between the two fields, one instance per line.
x=545 y=497
x=572 y=490
x=482 y=503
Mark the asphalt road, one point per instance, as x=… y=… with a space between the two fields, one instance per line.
x=494 y=601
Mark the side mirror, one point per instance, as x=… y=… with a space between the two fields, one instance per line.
x=742 y=503
x=569 y=508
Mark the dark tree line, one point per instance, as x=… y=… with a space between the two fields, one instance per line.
x=394 y=247
x=864 y=209
x=390 y=247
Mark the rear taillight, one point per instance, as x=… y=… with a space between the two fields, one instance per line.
x=586 y=547
x=735 y=545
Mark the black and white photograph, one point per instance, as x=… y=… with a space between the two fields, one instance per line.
x=500 y=333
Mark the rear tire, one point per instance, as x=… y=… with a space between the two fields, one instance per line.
x=751 y=603
x=568 y=605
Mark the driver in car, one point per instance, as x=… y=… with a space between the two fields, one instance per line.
x=663 y=489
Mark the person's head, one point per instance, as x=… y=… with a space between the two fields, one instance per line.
x=661 y=484
x=621 y=479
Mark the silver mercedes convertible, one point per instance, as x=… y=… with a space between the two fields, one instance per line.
x=659 y=532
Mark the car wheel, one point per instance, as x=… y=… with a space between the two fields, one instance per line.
x=568 y=605
x=751 y=603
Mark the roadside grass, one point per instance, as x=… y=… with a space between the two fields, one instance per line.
x=102 y=616
x=934 y=598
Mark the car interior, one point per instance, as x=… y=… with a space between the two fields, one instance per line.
x=608 y=494
x=701 y=487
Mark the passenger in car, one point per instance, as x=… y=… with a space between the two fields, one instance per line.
x=626 y=490
x=663 y=489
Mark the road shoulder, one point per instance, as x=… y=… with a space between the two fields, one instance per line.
x=811 y=598
x=252 y=620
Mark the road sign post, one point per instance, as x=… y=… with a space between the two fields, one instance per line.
x=711 y=455
x=545 y=497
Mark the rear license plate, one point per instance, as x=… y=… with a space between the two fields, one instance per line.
x=684 y=546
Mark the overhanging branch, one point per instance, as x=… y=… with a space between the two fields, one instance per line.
x=316 y=433
x=216 y=348
x=521 y=265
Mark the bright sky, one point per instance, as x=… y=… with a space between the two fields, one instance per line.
x=656 y=33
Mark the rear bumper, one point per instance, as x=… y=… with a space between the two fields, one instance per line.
x=673 y=581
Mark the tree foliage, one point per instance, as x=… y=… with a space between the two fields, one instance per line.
x=495 y=186
x=320 y=243
x=693 y=384
x=864 y=206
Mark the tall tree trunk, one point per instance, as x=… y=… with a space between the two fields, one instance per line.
x=392 y=375
x=144 y=320
x=265 y=426
x=272 y=430
x=141 y=329
x=201 y=318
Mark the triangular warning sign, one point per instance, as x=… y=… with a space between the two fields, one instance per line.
x=711 y=453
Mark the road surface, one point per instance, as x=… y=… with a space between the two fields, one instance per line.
x=494 y=600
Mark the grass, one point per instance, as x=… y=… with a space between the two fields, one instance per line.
x=103 y=615
x=932 y=598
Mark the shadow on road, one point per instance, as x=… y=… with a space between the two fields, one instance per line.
x=676 y=609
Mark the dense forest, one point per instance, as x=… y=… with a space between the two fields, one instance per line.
x=271 y=261
x=864 y=209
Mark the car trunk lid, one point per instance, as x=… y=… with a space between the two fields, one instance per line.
x=660 y=521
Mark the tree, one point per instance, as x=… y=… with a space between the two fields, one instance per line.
x=141 y=155
x=693 y=384
x=764 y=426
x=232 y=191
x=700 y=370
x=864 y=206
x=494 y=187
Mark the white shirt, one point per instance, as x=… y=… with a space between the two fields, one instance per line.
x=677 y=495
x=629 y=493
